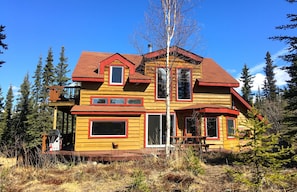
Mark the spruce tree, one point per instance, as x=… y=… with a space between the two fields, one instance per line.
x=61 y=70
x=269 y=88
x=23 y=110
x=247 y=80
x=262 y=155
x=48 y=75
x=8 y=137
x=290 y=93
x=1 y=114
x=2 y=44
x=37 y=86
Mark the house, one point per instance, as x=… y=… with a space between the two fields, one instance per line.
x=122 y=101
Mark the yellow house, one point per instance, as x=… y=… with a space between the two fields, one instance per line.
x=122 y=101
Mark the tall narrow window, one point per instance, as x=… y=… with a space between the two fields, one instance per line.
x=116 y=75
x=184 y=84
x=211 y=127
x=230 y=127
x=161 y=83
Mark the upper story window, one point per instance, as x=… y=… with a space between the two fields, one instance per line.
x=230 y=127
x=161 y=83
x=116 y=75
x=211 y=127
x=184 y=87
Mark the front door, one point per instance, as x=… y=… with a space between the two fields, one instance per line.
x=156 y=129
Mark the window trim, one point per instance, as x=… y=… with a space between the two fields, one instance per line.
x=111 y=73
x=157 y=83
x=217 y=128
x=107 y=136
x=173 y=133
x=190 y=85
x=227 y=128
x=108 y=98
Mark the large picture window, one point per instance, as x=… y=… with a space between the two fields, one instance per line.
x=161 y=83
x=211 y=127
x=102 y=128
x=231 y=127
x=184 y=91
x=116 y=75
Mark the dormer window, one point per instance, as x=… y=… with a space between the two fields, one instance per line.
x=116 y=75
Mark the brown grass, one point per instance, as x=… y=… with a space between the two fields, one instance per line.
x=151 y=174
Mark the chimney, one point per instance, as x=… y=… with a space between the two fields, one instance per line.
x=150 y=47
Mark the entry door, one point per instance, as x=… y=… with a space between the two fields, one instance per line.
x=156 y=129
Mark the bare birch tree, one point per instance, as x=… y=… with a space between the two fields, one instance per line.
x=169 y=23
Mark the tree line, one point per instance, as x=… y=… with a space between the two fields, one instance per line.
x=21 y=125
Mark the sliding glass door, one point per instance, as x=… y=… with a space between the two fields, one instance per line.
x=156 y=129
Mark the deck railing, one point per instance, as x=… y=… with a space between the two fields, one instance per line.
x=64 y=93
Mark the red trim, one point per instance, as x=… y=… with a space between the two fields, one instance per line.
x=110 y=77
x=117 y=56
x=115 y=97
x=107 y=113
x=88 y=79
x=191 y=86
x=216 y=84
x=139 y=80
x=156 y=85
x=219 y=110
x=234 y=123
x=218 y=128
x=244 y=102
x=108 y=136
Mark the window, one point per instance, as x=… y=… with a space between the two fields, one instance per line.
x=230 y=127
x=161 y=83
x=156 y=129
x=211 y=127
x=116 y=75
x=134 y=101
x=184 y=84
x=191 y=125
x=99 y=101
x=117 y=101
x=100 y=128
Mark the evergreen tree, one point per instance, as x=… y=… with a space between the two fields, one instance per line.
x=7 y=137
x=48 y=75
x=1 y=114
x=269 y=88
x=61 y=70
x=247 y=80
x=291 y=92
x=22 y=110
x=2 y=44
x=37 y=86
x=263 y=157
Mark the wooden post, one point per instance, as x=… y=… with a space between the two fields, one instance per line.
x=55 y=117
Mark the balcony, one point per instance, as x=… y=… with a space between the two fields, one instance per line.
x=63 y=96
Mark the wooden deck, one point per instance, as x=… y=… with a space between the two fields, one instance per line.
x=109 y=155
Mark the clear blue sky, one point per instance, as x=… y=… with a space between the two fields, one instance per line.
x=233 y=33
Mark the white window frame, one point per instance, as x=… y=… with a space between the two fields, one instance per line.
x=111 y=75
x=217 y=128
x=157 y=83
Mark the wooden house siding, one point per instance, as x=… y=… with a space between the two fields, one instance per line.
x=134 y=133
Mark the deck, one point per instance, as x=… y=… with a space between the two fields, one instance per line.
x=109 y=155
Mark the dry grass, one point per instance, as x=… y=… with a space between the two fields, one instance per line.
x=181 y=173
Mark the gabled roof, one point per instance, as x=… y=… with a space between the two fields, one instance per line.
x=88 y=65
x=215 y=75
x=177 y=51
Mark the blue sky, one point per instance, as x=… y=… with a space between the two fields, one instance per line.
x=233 y=33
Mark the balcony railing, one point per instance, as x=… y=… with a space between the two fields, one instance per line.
x=64 y=93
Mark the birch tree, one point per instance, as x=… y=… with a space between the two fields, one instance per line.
x=169 y=24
